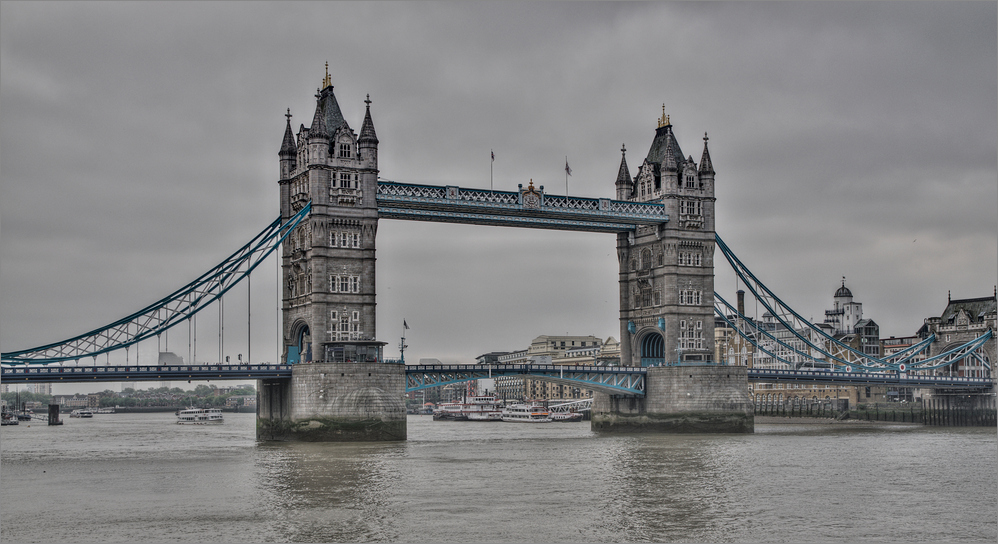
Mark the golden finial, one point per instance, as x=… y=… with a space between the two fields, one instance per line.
x=664 y=120
x=531 y=187
x=327 y=82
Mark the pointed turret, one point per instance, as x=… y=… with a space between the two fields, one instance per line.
x=706 y=167
x=318 y=128
x=289 y=151
x=625 y=185
x=367 y=134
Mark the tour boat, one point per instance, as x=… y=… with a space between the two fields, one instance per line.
x=199 y=416
x=526 y=413
x=81 y=413
x=480 y=408
x=483 y=408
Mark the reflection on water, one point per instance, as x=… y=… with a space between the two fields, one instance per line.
x=138 y=477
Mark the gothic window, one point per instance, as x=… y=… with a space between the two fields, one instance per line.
x=658 y=298
x=645 y=259
x=661 y=259
x=343 y=239
x=355 y=240
x=344 y=150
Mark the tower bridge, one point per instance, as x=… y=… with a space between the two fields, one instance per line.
x=332 y=381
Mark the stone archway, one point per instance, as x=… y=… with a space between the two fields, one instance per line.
x=652 y=349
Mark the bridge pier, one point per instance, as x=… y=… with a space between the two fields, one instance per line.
x=333 y=402
x=681 y=399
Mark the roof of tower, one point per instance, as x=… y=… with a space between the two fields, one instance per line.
x=843 y=291
x=367 y=133
x=665 y=144
x=623 y=175
x=706 y=167
x=976 y=308
x=327 y=112
x=664 y=147
x=288 y=147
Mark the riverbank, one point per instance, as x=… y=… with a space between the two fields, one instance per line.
x=780 y=420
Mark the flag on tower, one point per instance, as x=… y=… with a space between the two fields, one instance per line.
x=404 y=325
x=568 y=170
x=493 y=156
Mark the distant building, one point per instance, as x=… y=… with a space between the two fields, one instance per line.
x=962 y=321
x=555 y=350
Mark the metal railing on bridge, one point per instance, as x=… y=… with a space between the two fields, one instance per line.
x=117 y=373
x=524 y=208
x=869 y=378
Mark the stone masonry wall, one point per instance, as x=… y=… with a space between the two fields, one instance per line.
x=707 y=399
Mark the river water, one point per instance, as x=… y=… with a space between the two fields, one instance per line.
x=141 y=478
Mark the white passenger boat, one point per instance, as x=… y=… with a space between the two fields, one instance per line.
x=483 y=408
x=81 y=413
x=526 y=413
x=478 y=408
x=566 y=416
x=199 y=416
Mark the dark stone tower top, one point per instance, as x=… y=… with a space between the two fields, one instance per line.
x=664 y=147
x=367 y=134
x=624 y=183
x=706 y=167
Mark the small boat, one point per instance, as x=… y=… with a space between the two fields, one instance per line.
x=9 y=419
x=526 y=413
x=105 y=411
x=200 y=416
x=81 y=413
x=566 y=416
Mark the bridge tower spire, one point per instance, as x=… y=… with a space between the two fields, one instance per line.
x=329 y=274
x=328 y=282
x=666 y=271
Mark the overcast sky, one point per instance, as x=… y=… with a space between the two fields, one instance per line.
x=138 y=147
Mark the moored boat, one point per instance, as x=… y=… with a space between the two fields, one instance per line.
x=566 y=416
x=526 y=413
x=200 y=416
x=477 y=408
x=81 y=413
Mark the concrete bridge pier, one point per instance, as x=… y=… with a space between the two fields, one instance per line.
x=333 y=402
x=681 y=399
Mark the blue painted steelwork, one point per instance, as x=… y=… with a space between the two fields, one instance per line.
x=845 y=355
x=67 y=374
x=524 y=208
x=627 y=381
x=170 y=310
x=875 y=378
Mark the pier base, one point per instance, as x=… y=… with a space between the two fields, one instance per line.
x=681 y=399
x=333 y=402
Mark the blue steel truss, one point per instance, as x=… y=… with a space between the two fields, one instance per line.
x=117 y=373
x=169 y=311
x=819 y=346
x=524 y=208
x=625 y=381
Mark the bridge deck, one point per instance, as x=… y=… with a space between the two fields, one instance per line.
x=524 y=208
x=610 y=379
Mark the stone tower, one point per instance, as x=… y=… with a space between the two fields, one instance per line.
x=328 y=261
x=667 y=271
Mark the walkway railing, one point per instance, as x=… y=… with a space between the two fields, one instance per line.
x=524 y=208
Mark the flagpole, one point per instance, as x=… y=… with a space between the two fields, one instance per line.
x=491 y=164
x=402 y=345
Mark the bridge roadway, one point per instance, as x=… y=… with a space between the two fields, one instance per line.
x=626 y=381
